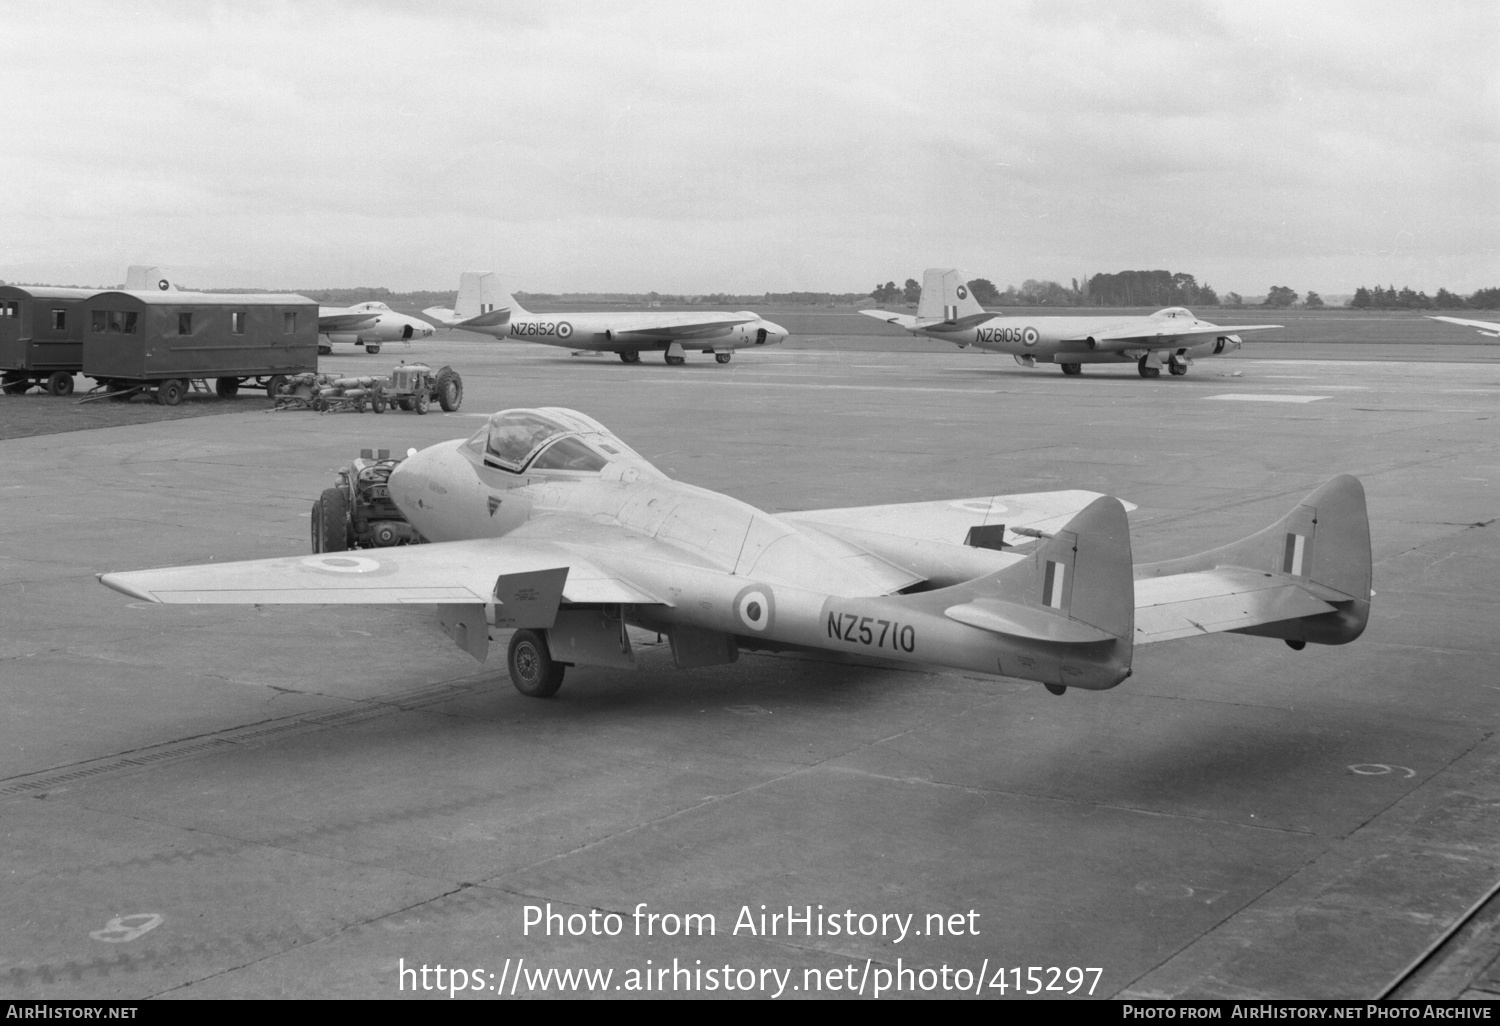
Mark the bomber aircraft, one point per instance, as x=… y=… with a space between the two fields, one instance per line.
x=1173 y=336
x=1490 y=328
x=485 y=307
x=547 y=523
x=367 y=324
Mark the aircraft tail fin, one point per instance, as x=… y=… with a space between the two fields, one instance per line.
x=145 y=278
x=1304 y=578
x=946 y=297
x=483 y=301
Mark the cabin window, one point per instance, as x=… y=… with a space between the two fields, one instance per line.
x=116 y=322
x=184 y=324
x=237 y=322
x=10 y=308
x=98 y=321
x=130 y=322
x=59 y=320
x=289 y=323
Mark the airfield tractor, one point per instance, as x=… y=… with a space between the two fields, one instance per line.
x=357 y=512
x=416 y=386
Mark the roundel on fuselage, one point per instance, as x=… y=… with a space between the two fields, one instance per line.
x=755 y=608
x=1029 y=336
x=164 y=284
x=564 y=329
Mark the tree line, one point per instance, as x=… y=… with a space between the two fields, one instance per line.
x=1405 y=299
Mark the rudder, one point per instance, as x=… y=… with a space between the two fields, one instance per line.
x=946 y=296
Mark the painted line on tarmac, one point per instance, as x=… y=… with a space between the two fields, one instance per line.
x=1262 y=397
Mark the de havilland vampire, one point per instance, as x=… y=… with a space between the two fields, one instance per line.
x=483 y=306
x=547 y=523
x=1173 y=337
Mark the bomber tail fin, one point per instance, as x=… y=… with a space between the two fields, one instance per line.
x=482 y=303
x=946 y=297
x=1304 y=578
x=144 y=278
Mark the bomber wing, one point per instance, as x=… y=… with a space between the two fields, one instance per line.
x=699 y=329
x=1490 y=328
x=1164 y=335
x=458 y=572
x=335 y=319
x=950 y=520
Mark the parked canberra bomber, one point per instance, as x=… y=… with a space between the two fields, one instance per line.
x=1172 y=337
x=485 y=307
x=547 y=523
x=368 y=325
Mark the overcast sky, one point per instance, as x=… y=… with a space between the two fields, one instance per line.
x=749 y=146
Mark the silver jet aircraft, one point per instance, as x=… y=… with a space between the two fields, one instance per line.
x=485 y=307
x=1173 y=337
x=546 y=523
x=1490 y=328
x=367 y=324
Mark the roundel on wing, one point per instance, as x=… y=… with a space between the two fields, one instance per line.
x=1029 y=336
x=963 y=293
x=341 y=564
x=564 y=329
x=164 y=284
x=755 y=608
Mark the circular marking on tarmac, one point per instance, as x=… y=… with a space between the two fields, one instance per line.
x=564 y=329
x=127 y=928
x=963 y=293
x=1029 y=336
x=341 y=564
x=1380 y=769
x=755 y=607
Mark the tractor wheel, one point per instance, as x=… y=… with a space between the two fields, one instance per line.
x=377 y=402
x=450 y=392
x=227 y=388
x=170 y=392
x=421 y=400
x=330 y=522
x=532 y=669
x=60 y=383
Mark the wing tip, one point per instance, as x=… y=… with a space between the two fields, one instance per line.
x=114 y=581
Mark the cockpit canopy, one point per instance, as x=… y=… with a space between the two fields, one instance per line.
x=1176 y=313
x=550 y=438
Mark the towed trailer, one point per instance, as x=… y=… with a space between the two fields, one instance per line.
x=41 y=337
x=160 y=342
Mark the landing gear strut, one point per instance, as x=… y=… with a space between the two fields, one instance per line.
x=1147 y=371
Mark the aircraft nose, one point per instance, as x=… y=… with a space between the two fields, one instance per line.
x=776 y=333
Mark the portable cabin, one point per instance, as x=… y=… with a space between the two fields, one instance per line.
x=165 y=340
x=41 y=337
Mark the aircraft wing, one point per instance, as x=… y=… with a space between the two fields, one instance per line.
x=1166 y=335
x=1490 y=328
x=702 y=329
x=949 y=520
x=459 y=572
x=345 y=320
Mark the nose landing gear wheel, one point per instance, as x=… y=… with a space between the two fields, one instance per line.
x=630 y=356
x=676 y=361
x=532 y=669
x=372 y=350
x=722 y=357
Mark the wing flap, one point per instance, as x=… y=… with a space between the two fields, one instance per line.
x=1222 y=599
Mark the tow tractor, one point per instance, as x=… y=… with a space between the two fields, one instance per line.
x=357 y=512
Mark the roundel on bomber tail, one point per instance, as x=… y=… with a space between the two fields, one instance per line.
x=164 y=284
x=755 y=607
x=963 y=293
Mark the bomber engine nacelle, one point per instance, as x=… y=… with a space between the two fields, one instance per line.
x=1226 y=342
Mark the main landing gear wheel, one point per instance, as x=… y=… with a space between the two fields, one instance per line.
x=722 y=357
x=630 y=356
x=372 y=350
x=1146 y=370
x=676 y=361
x=170 y=392
x=330 y=522
x=1176 y=368
x=1072 y=368
x=324 y=350
x=227 y=388
x=532 y=669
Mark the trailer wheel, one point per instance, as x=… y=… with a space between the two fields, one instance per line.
x=330 y=522
x=276 y=385
x=421 y=401
x=320 y=404
x=170 y=392
x=60 y=383
x=532 y=669
x=14 y=382
x=450 y=393
x=372 y=350
x=227 y=388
